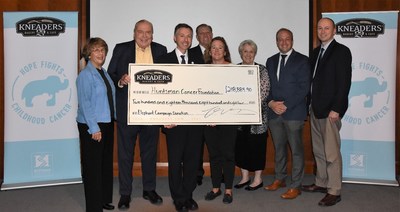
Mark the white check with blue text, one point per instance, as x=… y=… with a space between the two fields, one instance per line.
x=163 y=94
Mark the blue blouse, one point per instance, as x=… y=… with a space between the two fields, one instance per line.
x=93 y=106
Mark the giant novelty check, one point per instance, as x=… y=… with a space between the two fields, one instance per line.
x=162 y=94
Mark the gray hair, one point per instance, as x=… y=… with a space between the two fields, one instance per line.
x=247 y=42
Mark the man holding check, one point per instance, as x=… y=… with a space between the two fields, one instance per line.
x=184 y=142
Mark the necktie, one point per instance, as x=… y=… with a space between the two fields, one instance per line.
x=183 y=61
x=321 y=53
x=282 y=65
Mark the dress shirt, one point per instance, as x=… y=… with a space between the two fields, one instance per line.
x=143 y=55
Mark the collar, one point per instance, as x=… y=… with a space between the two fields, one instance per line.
x=287 y=53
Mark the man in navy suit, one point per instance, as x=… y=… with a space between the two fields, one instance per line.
x=184 y=142
x=203 y=35
x=329 y=101
x=140 y=50
x=289 y=73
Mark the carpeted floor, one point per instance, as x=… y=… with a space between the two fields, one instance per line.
x=70 y=198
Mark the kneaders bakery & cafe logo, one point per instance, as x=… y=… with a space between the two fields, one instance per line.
x=153 y=76
x=40 y=27
x=360 y=28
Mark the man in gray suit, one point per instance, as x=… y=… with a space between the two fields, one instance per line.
x=289 y=73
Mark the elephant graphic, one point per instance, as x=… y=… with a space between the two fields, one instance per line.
x=369 y=86
x=51 y=85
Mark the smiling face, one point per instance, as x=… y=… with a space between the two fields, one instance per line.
x=284 y=41
x=98 y=56
x=326 y=30
x=248 y=54
x=204 y=36
x=183 y=39
x=143 y=34
x=217 y=51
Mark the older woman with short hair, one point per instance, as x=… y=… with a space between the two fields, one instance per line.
x=251 y=143
x=96 y=114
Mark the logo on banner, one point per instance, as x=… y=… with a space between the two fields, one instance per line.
x=40 y=26
x=357 y=164
x=41 y=93
x=360 y=28
x=356 y=161
x=42 y=163
x=369 y=95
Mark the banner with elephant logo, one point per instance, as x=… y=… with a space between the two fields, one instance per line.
x=41 y=142
x=368 y=130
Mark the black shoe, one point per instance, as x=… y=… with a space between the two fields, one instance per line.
x=199 y=180
x=153 y=197
x=124 y=201
x=241 y=185
x=108 y=206
x=211 y=195
x=227 y=199
x=249 y=188
x=191 y=204
x=330 y=200
x=180 y=206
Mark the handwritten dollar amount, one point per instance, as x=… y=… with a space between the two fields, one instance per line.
x=237 y=89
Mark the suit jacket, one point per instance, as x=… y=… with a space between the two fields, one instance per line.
x=123 y=54
x=197 y=53
x=292 y=87
x=332 y=80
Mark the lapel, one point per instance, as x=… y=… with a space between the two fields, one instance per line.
x=290 y=59
x=276 y=62
x=132 y=52
x=327 y=53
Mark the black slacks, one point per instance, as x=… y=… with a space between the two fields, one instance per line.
x=184 y=148
x=97 y=166
x=220 y=141
x=127 y=135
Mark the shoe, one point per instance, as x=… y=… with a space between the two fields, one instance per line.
x=191 y=205
x=180 y=206
x=249 y=188
x=313 y=188
x=199 y=180
x=241 y=185
x=291 y=193
x=329 y=200
x=108 y=206
x=275 y=185
x=124 y=201
x=153 y=197
x=211 y=195
x=227 y=199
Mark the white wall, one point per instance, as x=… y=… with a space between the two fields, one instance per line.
x=235 y=20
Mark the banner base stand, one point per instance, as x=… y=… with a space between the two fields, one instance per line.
x=371 y=181
x=40 y=184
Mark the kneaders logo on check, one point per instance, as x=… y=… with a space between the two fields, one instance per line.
x=153 y=76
